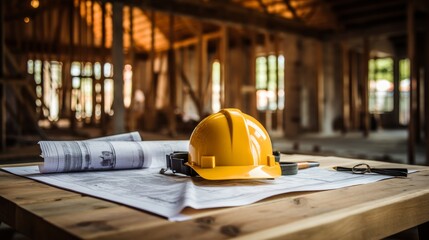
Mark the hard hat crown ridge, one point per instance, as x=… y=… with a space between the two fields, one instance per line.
x=231 y=145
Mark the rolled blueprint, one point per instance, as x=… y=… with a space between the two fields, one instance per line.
x=124 y=151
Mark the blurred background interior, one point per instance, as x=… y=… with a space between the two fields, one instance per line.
x=326 y=77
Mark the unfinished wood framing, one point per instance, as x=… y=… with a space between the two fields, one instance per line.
x=396 y=95
x=345 y=64
x=326 y=66
x=426 y=87
x=320 y=81
x=278 y=113
x=103 y=120
x=293 y=67
x=252 y=74
x=230 y=14
x=118 y=68
x=224 y=69
x=172 y=79
x=267 y=113
x=365 y=110
x=201 y=51
x=413 y=101
x=2 y=86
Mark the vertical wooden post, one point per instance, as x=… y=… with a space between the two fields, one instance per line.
x=132 y=116
x=201 y=59
x=346 y=86
x=172 y=78
x=426 y=91
x=396 y=96
x=413 y=100
x=252 y=74
x=365 y=110
x=102 y=79
x=94 y=99
x=150 y=110
x=224 y=80
x=293 y=50
x=267 y=121
x=69 y=89
x=118 y=68
x=2 y=86
x=278 y=114
x=237 y=80
x=319 y=85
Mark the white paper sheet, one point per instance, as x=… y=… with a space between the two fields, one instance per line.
x=167 y=195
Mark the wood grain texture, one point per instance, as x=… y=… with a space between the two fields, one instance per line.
x=370 y=211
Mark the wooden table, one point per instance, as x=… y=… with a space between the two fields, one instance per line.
x=370 y=211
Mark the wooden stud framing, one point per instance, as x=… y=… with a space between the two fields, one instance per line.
x=396 y=94
x=201 y=52
x=172 y=78
x=412 y=59
x=267 y=121
x=426 y=97
x=345 y=63
x=319 y=85
x=2 y=86
x=135 y=83
x=230 y=15
x=150 y=113
x=365 y=110
x=278 y=113
x=94 y=95
x=252 y=74
x=103 y=61
x=118 y=67
x=224 y=63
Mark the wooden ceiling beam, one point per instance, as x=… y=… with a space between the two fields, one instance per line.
x=375 y=17
x=371 y=6
x=219 y=12
x=292 y=10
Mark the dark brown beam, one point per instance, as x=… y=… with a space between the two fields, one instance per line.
x=263 y=6
x=366 y=31
x=396 y=94
x=2 y=87
x=371 y=6
x=252 y=67
x=172 y=78
x=230 y=14
x=375 y=17
x=118 y=67
x=71 y=49
x=201 y=53
x=365 y=110
x=224 y=61
x=426 y=91
x=413 y=100
x=103 y=119
x=291 y=9
x=345 y=72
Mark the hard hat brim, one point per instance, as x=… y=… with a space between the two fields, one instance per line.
x=238 y=172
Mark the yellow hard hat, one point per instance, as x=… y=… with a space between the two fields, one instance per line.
x=232 y=145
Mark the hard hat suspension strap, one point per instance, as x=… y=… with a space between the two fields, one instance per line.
x=176 y=163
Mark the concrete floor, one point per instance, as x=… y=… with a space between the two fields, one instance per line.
x=385 y=145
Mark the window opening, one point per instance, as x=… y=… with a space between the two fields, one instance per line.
x=269 y=92
x=380 y=85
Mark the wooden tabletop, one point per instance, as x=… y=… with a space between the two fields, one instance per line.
x=370 y=211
